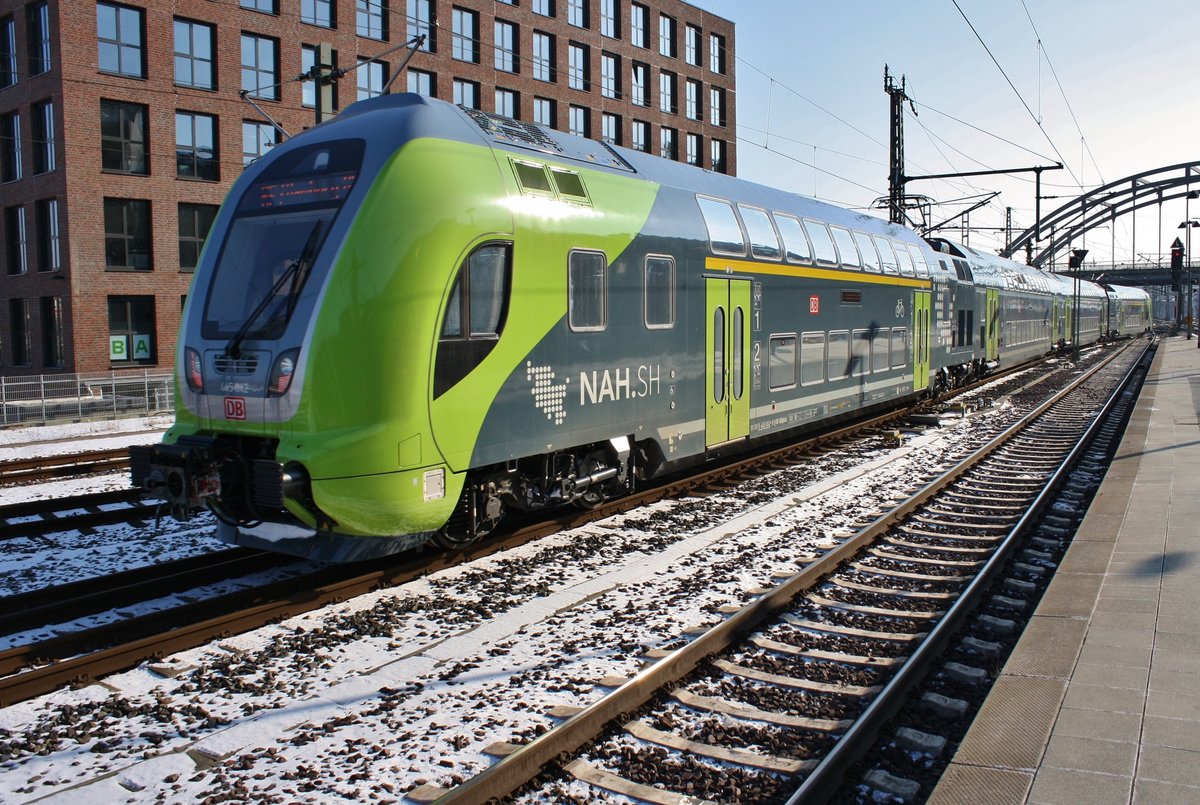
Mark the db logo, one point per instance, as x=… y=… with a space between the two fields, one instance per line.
x=235 y=407
x=814 y=304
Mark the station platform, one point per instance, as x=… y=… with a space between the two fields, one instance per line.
x=1100 y=700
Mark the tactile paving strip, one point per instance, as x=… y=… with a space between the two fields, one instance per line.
x=1014 y=723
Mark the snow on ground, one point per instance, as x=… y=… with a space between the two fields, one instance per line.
x=34 y=562
x=76 y=437
x=409 y=685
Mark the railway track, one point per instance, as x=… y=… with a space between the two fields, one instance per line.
x=80 y=657
x=776 y=701
x=72 y=465
x=76 y=513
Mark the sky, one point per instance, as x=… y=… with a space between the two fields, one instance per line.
x=810 y=91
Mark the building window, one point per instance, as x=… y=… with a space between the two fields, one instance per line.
x=543 y=7
x=610 y=128
x=38 y=16
x=53 y=352
x=667 y=147
x=194 y=55
x=578 y=121
x=49 y=256
x=370 y=19
x=14 y=238
x=694 y=111
x=371 y=75
x=693 y=149
x=466 y=93
x=577 y=13
x=466 y=35
x=507 y=49
x=610 y=21
x=10 y=147
x=420 y=22
x=422 y=83
x=260 y=67
x=265 y=6
x=194 y=222
x=544 y=112
x=124 y=137
x=8 y=52
x=640 y=85
x=196 y=146
x=18 y=321
x=577 y=67
x=639 y=21
x=131 y=329
x=640 y=136
x=691 y=46
x=119 y=32
x=666 y=93
x=127 y=234
x=257 y=139
x=317 y=12
x=716 y=106
x=716 y=53
x=308 y=87
x=717 y=156
x=666 y=36
x=508 y=103
x=543 y=57
x=610 y=75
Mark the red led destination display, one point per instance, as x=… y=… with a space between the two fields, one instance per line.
x=330 y=188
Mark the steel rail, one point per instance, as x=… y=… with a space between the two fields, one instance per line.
x=823 y=782
x=526 y=762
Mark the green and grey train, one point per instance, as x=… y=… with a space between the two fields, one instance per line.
x=415 y=318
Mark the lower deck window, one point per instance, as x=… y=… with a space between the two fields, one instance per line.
x=587 y=291
x=838 y=357
x=812 y=358
x=782 y=361
x=880 y=342
x=899 y=347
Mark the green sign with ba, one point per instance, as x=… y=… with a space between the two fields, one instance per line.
x=129 y=347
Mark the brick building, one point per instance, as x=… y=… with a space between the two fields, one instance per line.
x=122 y=127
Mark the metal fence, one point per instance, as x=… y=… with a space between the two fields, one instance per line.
x=44 y=399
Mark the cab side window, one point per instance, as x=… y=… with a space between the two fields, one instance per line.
x=475 y=314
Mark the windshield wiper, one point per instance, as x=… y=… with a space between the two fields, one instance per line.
x=297 y=271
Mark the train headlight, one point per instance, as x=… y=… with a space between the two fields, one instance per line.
x=193 y=369
x=282 y=372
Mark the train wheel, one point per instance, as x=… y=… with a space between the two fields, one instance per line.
x=470 y=522
x=592 y=495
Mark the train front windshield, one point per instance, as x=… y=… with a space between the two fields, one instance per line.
x=276 y=234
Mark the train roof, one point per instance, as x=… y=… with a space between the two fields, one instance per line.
x=440 y=119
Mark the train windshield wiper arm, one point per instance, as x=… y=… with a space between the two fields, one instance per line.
x=297 y=271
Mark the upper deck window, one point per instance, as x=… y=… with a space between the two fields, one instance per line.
x=570 y=185
x=795 y=243
x=867 y=247
x=846 y=247
x=724 y=231
x=822 y=243
x=906 y=263
x=886 y=255
x=532 y=177
x=919 y=263
x=764 y=242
